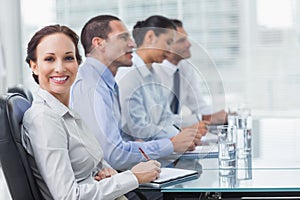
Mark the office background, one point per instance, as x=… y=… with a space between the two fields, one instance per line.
x=254 y=45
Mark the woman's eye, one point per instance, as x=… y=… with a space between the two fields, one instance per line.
x=49 y=59
x=69 y=58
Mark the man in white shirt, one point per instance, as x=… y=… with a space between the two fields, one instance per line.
x=189 y=83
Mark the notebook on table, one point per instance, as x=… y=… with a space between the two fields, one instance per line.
x=204 y=151
x=172 y=176
x=209 y=139
x=200 y=152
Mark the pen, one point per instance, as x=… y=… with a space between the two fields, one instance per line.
x=177 y=127
x=144 y=154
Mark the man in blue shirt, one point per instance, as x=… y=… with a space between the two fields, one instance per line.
x=94 y=95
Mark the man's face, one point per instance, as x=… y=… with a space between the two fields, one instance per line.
x=119 y=45
x=180 y=48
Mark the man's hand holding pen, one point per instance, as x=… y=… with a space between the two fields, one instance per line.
x=184 y=140
x=202 y=128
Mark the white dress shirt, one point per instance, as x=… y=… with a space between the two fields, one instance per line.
x=190 y=93
x=65 y=155
x=145 y=111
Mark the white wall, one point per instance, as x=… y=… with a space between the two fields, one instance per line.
x=10 y=39
x=2 y=70
x=10 y=36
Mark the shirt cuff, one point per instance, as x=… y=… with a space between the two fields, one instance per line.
x=166 y=147
x=126 y=180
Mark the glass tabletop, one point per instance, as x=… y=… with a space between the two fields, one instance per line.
x=273 y=166
x=253 y=179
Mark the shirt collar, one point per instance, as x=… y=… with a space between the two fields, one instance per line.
x=140 y=65
x=103 y=71
x=55 y=104
x=171 y=67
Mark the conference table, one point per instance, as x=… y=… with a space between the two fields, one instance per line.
x=272 y=170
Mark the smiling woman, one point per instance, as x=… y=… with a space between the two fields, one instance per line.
x=56 y=69
x=54 y=136
x=54 y=60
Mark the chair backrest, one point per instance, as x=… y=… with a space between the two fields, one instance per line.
x=21 y=90
x=13 y=156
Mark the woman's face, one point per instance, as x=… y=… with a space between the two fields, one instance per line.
x=161 y=45
x=56 y=65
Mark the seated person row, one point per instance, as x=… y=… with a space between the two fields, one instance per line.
x=107 y=45
x=66 y=159
x=146 y=113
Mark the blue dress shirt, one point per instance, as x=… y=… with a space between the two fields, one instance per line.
x=93 y=96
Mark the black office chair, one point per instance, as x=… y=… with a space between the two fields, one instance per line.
x=13 y=157
x=21 y=90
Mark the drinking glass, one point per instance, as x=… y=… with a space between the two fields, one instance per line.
x=227 y=146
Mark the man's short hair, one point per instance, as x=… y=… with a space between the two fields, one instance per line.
x=96 y=27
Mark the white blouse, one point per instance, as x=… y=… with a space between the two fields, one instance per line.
x=66 y=154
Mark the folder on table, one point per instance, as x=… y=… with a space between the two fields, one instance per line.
x=204 y=151
x=171 y=176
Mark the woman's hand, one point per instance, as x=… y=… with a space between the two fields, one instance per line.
x=146 y=171
x=105 y=173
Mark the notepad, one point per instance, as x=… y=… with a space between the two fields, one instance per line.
x=208 y=149
x=209 y=139
x=204 y=151
x=201 y=152
x=171 y=176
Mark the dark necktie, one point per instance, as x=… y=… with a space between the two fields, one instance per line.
x=116 y=93
x=176 y=92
